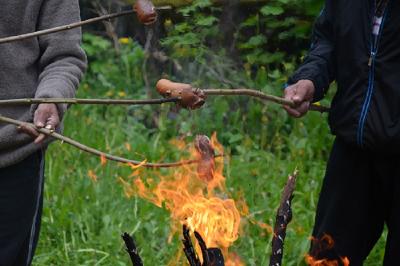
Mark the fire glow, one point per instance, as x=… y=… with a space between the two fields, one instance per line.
x=324 y=244
x=193 y=200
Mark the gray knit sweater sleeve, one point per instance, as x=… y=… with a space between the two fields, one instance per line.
x=62 y=62
x=46 y=67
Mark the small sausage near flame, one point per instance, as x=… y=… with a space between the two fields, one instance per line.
x=206 y=156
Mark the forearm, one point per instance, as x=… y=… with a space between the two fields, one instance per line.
x=62 y=62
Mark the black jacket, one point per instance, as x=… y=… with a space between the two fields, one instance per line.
x=366 y=108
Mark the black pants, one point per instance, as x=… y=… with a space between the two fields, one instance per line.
x=360 y=193
x=21 y=199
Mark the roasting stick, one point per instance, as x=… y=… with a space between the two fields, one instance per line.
x=29 y=101
x=93 y=151
x=193 y=98
x=75 y=25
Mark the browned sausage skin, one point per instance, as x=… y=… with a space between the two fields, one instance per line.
x=190 y=98
x=145 y=11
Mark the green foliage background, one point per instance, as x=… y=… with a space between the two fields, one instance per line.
x=83 y=220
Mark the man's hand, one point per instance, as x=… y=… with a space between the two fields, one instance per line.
x=46 y=116
x=301 y=93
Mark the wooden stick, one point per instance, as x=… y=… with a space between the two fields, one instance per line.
x=283 y=218
x=193 y=98
x=131 y=249
x=93 y=151
x=262 y=96
x=28 y=101
x=71 y=26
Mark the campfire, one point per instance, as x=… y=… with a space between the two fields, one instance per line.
x=198 y=202
x=195 y=196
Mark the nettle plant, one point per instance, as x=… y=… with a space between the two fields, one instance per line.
x=192 y=37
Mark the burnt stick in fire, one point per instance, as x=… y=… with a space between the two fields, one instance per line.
x=206 y=158
x=132 y=250
x=211 y=256
x=190 y=253
x=283 y=218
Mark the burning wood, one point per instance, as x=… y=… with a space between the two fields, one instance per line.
x=203 y=207
x=283 y=218
x=132 y=250
x=211 y=256
x=206 y=158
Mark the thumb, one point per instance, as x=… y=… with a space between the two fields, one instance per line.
x=40 y=118
x=300 y=95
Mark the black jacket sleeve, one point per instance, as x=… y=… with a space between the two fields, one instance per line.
x=318 y=65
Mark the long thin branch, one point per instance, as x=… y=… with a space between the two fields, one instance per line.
x=70 y=26
x=28 y=101
x=261 y=95
x=93 y=151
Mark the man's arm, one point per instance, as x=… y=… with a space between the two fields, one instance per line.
x=62 y=62
x=311 y=81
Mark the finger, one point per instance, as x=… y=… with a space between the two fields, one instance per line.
x=292 y=112
x=300 y=96
x=303 y=108
x=290 y=92
x=52 y=122
x=40 y=118
x=40 y=138
x=28 y=130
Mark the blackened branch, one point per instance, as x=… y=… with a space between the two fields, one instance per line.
x=190 y=253
x=132 y=250
x=283 y=218
x=203 y=247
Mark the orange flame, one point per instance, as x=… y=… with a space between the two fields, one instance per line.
x=324 y=244
x=325 y=262
x=92 y=175
x=103 y=160
x=203 y=205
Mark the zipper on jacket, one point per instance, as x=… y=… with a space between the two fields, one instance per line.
x=371 y=78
